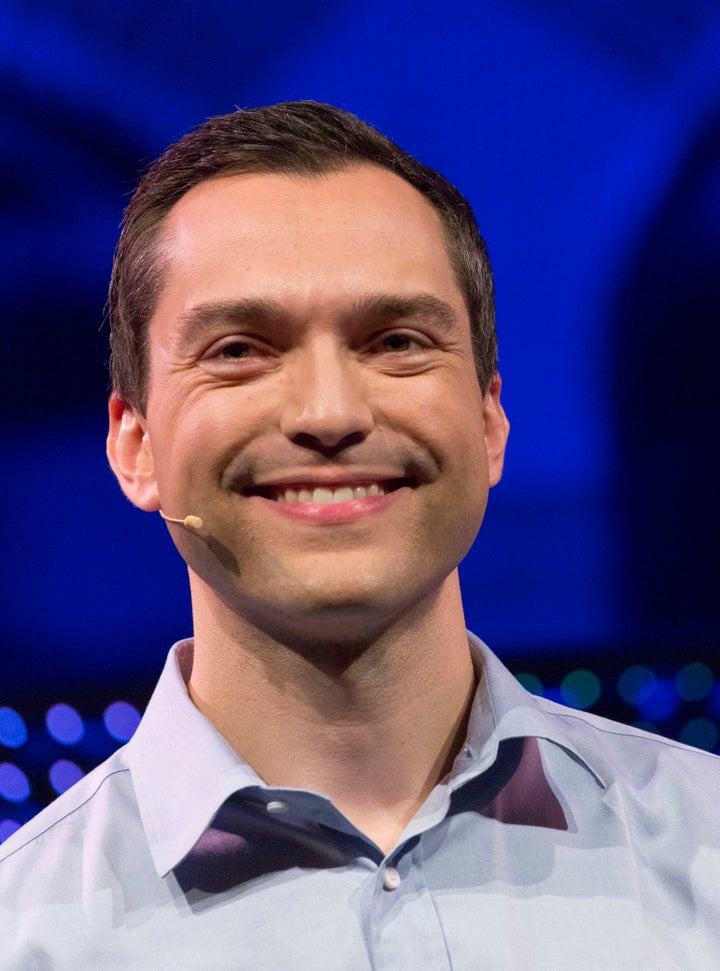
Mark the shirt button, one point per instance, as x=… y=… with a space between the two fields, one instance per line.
x=391 y=878
x=277 y=806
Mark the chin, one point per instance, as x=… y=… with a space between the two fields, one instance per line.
x=349 y=615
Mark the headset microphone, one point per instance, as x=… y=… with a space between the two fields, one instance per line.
x=192 y=522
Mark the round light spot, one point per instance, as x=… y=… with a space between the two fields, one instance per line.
x=581 y=688
x=391 y=878
x=277 y=807
x=14 y=785
x=531 y=682
x=662 y=702
x=694 y=681
x=636 y=684
x=700 y=732
x=121 y=719
x=64 y=774
x=65 y=724
x=13 y=731
x=7 y=828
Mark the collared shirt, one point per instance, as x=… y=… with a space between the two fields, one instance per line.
x=559 y=840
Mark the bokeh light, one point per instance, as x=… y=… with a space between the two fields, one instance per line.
x=65 y=724
x=121 y=719
x=14 y=784
x=531 y=682
x=581 y=688
x=636 y=684
x=662 y=702
x=64 y=774
x=694 y=681
x=700 y=732
x=13 y=731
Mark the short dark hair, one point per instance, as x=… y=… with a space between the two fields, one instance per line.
x=303 y=138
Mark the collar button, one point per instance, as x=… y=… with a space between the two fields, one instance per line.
x=277 y=807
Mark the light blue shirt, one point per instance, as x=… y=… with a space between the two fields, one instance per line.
x=559 y=841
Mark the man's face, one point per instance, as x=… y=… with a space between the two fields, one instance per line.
x=313 y=397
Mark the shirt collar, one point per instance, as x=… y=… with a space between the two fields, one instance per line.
x=183 y=769
x=503 y=709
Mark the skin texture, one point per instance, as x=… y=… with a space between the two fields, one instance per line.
x=311 y=332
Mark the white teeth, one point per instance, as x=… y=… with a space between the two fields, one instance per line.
x=325 y=495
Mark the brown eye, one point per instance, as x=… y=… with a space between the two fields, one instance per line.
x=397 y=342
x=235 y=350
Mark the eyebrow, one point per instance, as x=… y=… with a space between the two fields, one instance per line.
x=256 y=310
x=242 y=312
x=392 y=307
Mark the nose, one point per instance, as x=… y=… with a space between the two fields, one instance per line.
x=326 y=405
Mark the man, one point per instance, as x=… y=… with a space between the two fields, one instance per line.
x=332 y=774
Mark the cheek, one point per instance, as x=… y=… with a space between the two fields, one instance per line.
x=182 y=444
x=451 y=429
x=451 y=421
x=465 y=468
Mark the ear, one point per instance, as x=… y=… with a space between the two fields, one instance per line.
x=130 y=454
x=497 y=429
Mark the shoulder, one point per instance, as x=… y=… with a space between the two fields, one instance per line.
x=94 y=803
x=71 y=872
x=622 y=758
x=627 y=756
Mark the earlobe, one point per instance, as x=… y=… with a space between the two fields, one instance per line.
x=130 y=454
x=497 y=429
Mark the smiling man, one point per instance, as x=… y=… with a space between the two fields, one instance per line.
x=332 y=773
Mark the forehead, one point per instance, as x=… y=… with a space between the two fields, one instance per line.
x=286 y=195
x=313 y=240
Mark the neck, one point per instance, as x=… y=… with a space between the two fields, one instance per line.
x=373 y=724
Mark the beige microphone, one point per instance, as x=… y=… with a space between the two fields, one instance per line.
x=192 y=522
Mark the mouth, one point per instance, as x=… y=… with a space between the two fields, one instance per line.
x=327 y=495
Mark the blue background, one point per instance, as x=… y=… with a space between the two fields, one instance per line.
x=587 y=137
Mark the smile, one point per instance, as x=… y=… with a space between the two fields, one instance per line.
x=324 y=495
x=331 y=504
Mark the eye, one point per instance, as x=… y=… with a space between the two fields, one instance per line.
x=401 y=351
x=399 y=341
x=238 y=357
x=235 y=350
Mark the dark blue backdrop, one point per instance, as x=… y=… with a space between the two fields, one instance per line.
x=587 y=137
